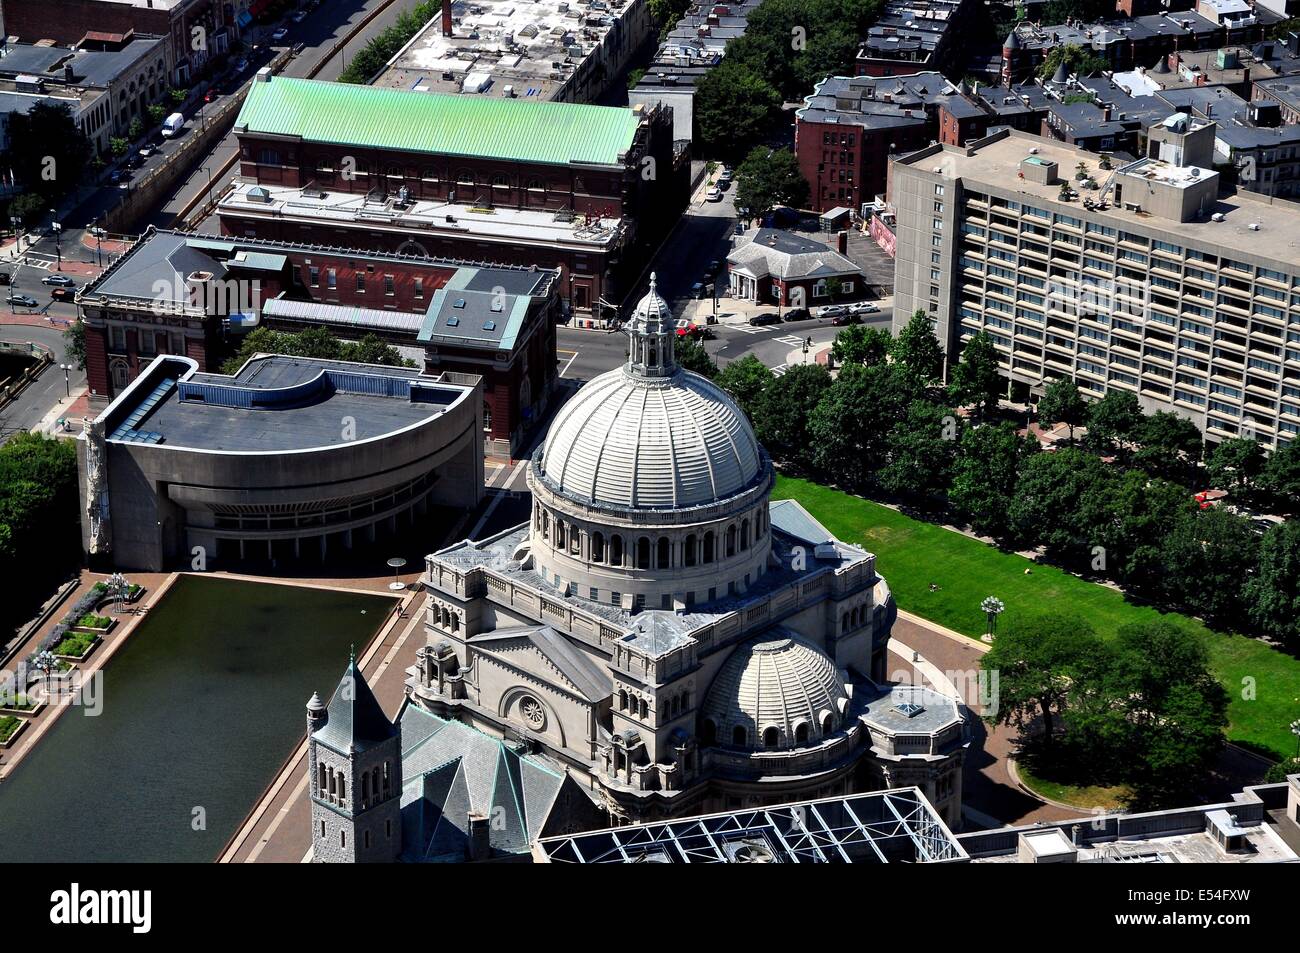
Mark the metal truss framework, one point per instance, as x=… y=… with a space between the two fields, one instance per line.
x=877 y=827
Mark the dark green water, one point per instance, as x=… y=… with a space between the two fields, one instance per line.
x=200 y=706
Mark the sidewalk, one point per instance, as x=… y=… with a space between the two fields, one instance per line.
x=70 y=409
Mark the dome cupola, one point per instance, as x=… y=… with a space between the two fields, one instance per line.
x=776 y=691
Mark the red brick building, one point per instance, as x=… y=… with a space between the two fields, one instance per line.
x=850 y=126
x=175 y=293
x=66 y=22
x=586 y=189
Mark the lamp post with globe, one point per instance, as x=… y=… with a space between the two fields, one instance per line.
x=993 y=607
x=1295 y=730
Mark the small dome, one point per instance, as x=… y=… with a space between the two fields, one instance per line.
x=629 y=441
x=314 y=703
x=652 y=309
x=774 y=692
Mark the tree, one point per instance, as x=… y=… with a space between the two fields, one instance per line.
x=1235 y=465
x=861 y=344
x=1281 y=477
x=1037 y=660
x=1060 y=503
x=1112 y=422
x=1208 y=556
x=75 y=339
x=1139 y=512
x=1062 y=403
x=921 y=449
x=693 y=356
x=783 y=422
x=918 y=351
x=28 y=207
x=1273 y=594
x=315 y=342
x=47 y=152
x=1076 y=59
x=1174 y=709
x=746 y=380
x=769 y=178
x=985 y=474
x=849 y=426
x=734 y=107
x=1170 y=447
x=975 y=379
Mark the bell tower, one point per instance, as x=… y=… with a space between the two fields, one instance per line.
x=354 y=765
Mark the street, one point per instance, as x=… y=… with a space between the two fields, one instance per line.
x=42 y=394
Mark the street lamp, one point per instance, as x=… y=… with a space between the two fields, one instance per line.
x=67 y=381
x=396 y=564
x=993 y=607
x=58 y=246
x=17 y=223
x=807 y=344
x=99 y=237
x=208 y=170
x=1295 y=730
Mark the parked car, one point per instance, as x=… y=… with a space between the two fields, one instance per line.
x=766 y=317
x=847 y=318
x=863 y=307
x=701 y=290
x=135 y=162
x=62 y=280
x=715 y=266
x=21 y=300
x=797 y=314
x=115 y=176
x=724 y=177
x=240 y=64
x=833 y=310
x=146 y=151
x=4 y=278
x=715 y=194
x=279 y=34
x=172 y=125
x=298 y=16
x=64 y=294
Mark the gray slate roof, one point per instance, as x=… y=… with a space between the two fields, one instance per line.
x=450 y=770
x=770 y=251
x=354 y=720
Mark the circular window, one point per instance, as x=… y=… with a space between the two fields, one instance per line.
x=532 y=712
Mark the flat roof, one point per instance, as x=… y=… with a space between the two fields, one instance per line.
x=443 y=124
x=154 y=405
x=995 y=162
x=433 y=217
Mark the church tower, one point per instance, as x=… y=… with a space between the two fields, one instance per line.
x=354 y=764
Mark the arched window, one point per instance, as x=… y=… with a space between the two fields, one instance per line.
x=739 y=736
x=487 y=416
x=546 y=525
x=771 y=737
x=828 y=726
x=731 y=540
x=465 y=177
x=844 y=623
x=801 y=733
x=643 y=553
x=708 y=732
x=645 y=708
x=365 y=788
x=500 y=181
x=561 y=537
x=708 y=546
x=692 y=544
x=597 y=547
x=665 y=553
x=320 y=780
x=744 y=534
x=622 y=701
x=616 y=550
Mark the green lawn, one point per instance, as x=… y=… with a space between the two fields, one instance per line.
x=1086 y=796
x=911 y=555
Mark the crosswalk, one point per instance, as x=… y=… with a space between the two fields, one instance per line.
x=790 y=340
x=780 y=369
x=749 y=329
x=45 y=264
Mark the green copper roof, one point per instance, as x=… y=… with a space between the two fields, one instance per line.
x=468 y=125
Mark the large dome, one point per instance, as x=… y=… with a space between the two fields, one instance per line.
x=777 y=691
x=669 y=442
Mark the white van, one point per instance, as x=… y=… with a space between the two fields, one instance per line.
x=172 y=125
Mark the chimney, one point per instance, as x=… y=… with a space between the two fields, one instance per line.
x=478 y=846
x=842 y=243
x=446 y=18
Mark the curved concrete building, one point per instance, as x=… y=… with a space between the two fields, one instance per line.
x=287 y=460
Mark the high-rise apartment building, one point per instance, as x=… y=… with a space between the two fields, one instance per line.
x=1138 y=277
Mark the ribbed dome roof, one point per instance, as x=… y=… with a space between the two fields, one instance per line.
x=777 y=682
x=669 y=442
